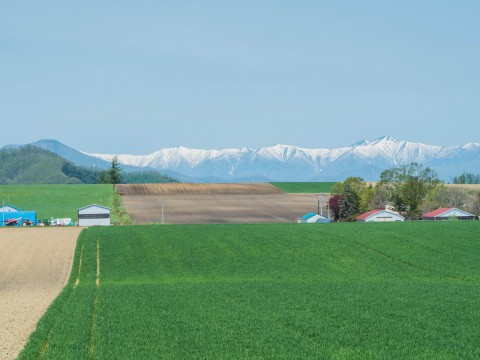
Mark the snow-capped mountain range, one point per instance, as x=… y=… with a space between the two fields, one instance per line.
x=366 y=159
x=290 y=163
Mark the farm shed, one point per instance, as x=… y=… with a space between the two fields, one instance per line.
x=448 y=214
x=8 y=208
x=313 y=218
x=12 y=215
x=380 y=215
x=93 y=215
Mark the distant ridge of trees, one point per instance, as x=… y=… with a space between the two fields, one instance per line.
x=31 y=164
x=467 y=178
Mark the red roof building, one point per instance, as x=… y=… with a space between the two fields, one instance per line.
x=448 y=214
x=379 y=215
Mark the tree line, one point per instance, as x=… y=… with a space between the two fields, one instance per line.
x=410 y=190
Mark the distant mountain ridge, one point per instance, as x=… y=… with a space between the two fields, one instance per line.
x=290 y=163
x=365 y=158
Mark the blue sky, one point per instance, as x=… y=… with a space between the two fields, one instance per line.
x=133 y=77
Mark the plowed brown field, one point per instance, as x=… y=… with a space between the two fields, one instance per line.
x=214 y=203
x=34 y=267
x=197 y=189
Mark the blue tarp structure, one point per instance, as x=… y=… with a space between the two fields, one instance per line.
x=31 y=216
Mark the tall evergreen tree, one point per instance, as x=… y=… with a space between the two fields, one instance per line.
x=350 y=203
x=115 y=172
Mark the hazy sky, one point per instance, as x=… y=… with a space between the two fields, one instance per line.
x=136 y=76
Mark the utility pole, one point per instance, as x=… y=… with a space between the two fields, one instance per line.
x=162 y=213
x=320 y=204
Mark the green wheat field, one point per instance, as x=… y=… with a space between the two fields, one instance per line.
x=274 y=291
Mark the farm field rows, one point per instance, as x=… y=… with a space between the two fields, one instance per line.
x=55 y=200
x=34 y=267
x=214 y=203
x=363 y=291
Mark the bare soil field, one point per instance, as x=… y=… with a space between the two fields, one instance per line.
x=215 y=203
x=177 y=189
x=34 y=267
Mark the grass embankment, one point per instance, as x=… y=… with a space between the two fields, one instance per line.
x=305 y=187
x=333 y=291
x=58 y=201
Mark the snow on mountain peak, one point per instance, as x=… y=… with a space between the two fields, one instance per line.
x=291 y=163
x=383 y=139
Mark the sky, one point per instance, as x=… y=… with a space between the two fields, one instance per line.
x=137 y=76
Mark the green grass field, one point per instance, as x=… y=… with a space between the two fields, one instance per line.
x=277 y=291
x=304 y=187
x=58 y=201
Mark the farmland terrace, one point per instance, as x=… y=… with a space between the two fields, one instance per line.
x=214 y=203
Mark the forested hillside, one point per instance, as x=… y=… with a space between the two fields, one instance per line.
x=33 y=165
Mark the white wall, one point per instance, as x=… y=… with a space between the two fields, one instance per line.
x=94 y=210
x=384 y=216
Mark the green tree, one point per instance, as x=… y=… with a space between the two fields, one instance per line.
x=407 y=186
x=353 y=197
x=443 y=196
x=114 y=174
x=467 y=178
x=350 y=203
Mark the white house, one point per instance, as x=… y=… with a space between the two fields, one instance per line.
x=93 y=215
x=380 y=215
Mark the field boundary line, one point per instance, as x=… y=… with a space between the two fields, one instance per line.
x=97 y=279
x=77 y=280
x=381 y=253
x=409 y=264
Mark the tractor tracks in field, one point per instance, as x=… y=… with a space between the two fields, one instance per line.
x=77 y=280
x=408 y=264
x=93 y=326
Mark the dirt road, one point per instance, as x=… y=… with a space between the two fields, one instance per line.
x=34 y=267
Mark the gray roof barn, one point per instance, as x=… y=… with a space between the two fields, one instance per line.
x=94 y=215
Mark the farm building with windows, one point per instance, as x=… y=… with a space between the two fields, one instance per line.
x=448 y=214
x=380 y=215
x=94 y=215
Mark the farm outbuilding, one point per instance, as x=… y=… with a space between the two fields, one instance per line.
x=313 y=218
x=380 y=215
x=93 y=215
x=13 y=216
x=448 y=214
x=9 y=208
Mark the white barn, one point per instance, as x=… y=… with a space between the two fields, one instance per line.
x=94 y=215
x=380 y=215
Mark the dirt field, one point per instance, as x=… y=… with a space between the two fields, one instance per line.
x=215 y=203
x=197 y=189
x=34 y=267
